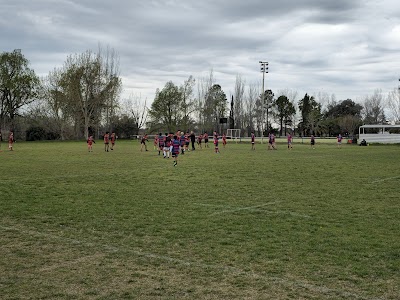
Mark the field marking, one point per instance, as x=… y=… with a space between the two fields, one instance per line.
x=243 y=208
x=232 y=270
x=211 y=205
x=385 y=179
x=69 y=263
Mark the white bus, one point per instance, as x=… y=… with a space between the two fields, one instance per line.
x=382 y=134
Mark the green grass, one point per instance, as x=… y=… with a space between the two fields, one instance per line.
x=300 y=224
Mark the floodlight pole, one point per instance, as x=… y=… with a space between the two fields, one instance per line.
x=264 y=69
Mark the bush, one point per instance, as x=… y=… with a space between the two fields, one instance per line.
x=37 y=133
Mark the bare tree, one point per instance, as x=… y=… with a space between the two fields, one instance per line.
x=90 y=84
x=188 y=103
x=373 y=111
x=394 y=104
x=250 y=108
x=239 y=102
x=203 y=87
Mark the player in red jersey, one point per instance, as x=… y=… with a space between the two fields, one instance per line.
x=312 y=141
x=167 y=144
x=182 y=142
x=90 y=142
x=271 y=142
x=205 y=135
x=253 y=141
x=106 y=139
x=161 y=142
x=187 y=141
x=155 y=146
x=289 y=141
x=224 y=140
x=113 y=137
x=339 y=141
x=143 y=142
x=11 y=141
x=199 y=140
x=216 y=142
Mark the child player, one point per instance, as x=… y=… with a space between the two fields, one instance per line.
x=113 y=137
x=312 y=141
x=339 y=141
x=90 y=142
x=106 y=141
x=224 y=140
x=161 y=142
x=205 y=135
x=216 y=142
x=167 y=144
x=290 y=139
x=182 y=143
x=11 y=141
x=175 y=149
x=253 y=138
x=156 y=143
x=143 y=142
x=199 y=140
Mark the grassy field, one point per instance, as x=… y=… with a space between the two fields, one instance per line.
x=299 y=224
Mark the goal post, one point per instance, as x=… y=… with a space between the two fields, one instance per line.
x=233 y=134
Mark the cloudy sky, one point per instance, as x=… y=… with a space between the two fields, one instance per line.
x=344 y=47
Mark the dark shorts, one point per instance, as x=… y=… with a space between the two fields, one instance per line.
x=187 y=143
x=175 y=154
x=106 y=143
x=312 y=142
x=206 y=141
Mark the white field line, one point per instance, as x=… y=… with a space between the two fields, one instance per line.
x=243 y=208
x=211 y=205
x=83 y=259
x=229 y=269
x=251 y=208
x=385 y=179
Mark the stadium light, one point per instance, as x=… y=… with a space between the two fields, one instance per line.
x=263 y=69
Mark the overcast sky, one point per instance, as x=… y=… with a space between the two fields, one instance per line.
x=344 y=47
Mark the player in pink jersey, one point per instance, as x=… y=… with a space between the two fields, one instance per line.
x=253 y=141
x=90 y=142
x=216 y=142
x=224 y=140
x=11 y=141
x=205 y=135
x=199 y=140
x=143 y=142
x=312 y=141
x=339 y=140
x=106 y=139
x=113 y=137
x=289 y=141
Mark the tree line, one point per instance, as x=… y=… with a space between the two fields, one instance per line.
x=83 y=97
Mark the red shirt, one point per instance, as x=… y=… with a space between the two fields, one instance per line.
x=106 y=138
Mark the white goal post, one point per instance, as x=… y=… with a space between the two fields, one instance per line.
x=233 y=134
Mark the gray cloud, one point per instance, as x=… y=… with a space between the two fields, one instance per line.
x=344 y=47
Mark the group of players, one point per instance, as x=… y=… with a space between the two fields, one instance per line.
x=272 y=143
x=107 y=138
x=173 y=145
x=10 y=141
